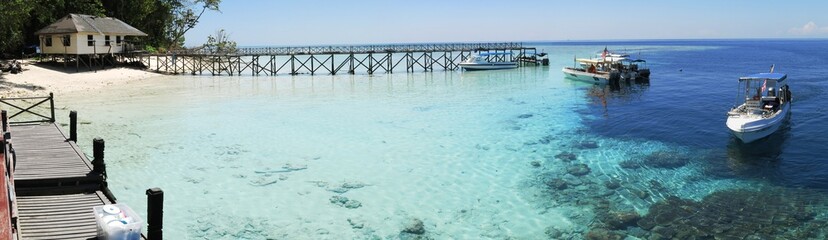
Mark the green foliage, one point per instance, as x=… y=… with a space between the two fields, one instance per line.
x=165 y=21
x=150 y=49
x=220 y=43
x=185 y=18
x=13 y=16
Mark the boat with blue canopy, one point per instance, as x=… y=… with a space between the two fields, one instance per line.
x=765 y=102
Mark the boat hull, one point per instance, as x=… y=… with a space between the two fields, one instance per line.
x=580 y=75
x=752 y=129
x=488 y=66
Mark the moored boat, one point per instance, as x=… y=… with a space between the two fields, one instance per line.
x=482 y=62
x=609 y=68
x=765 y=101
x=592 y=71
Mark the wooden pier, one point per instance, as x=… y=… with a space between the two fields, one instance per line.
x=55 y=185
x=333 y=60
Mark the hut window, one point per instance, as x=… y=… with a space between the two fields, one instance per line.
x=90 y=40
x=66 y=40
x=118 y=40
x=48 y=40
x=106 y=40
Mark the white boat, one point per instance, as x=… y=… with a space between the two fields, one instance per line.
x=608 y=68
x=631 y=69
x=487 y=61
x=596 y=71
x=766 y=101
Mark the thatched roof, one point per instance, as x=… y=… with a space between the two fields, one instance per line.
x=74 y=23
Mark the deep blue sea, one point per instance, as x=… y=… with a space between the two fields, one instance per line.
x=690 y=91
x=508 y=154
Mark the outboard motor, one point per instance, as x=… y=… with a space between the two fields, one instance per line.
x=644 y=73
x=614 y=77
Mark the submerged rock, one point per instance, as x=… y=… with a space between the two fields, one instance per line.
x=345 y=202
x=535 y=164
x=524 y=116
x=579 y=169
x=567 y=156
x=629 y=164
x=620 y=220
x=572 y=180
x=587 y=145
x=736 y=214
x=612 y=184
x=557 y=183
x=665 y=159
x=356 y=223
x=414 y=226
x=603 y=234
x=546 y=139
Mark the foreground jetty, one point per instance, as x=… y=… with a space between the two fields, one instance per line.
x=334 y=59
x=54 y=185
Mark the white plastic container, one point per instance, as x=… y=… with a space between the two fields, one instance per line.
x=117 y=222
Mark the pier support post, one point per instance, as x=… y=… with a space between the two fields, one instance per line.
x=155 y=213
x=370 y=63
x=351 y=63
x=5 y=115
x=98 y=164
x=292 y=65
x=73 y=126
x=52 y=105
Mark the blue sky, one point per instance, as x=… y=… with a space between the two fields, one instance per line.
x=261 y=22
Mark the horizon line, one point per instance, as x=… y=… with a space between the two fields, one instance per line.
x=546 y=41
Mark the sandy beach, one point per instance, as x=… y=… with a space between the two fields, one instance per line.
x=37 y=79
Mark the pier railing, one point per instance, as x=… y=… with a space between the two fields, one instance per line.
x=26 y=107
x=333 y=60
x=361 y=49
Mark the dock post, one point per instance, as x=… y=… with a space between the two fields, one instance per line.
x=292 y=65
x=155 y=213
x=312 y=69
x=73 y=126
x=370 y=63
x=52 y=105
x=351 y=69
x=5 y=119
x=98 y=164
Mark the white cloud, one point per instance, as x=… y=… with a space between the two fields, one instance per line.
x=809 y=28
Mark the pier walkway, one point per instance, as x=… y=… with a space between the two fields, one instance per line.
x=333 y=60
x=55 y=184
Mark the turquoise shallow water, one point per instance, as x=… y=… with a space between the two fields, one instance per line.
x=519 y=153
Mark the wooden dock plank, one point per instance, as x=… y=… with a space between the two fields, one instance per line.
x=44 y=156
x=59 y=216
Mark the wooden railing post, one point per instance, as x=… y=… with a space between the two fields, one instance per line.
x=73 y=126
x=5 y=120
x=98 y=164
x=52 y=105
x=155 y=213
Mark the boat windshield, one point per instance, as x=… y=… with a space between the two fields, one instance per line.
x=475 y=58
